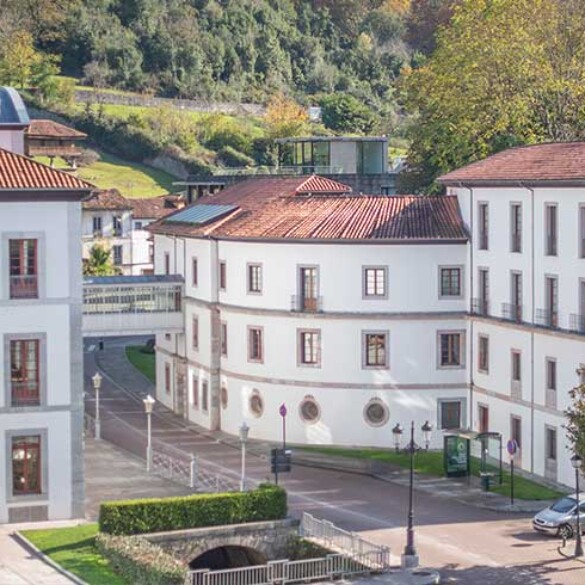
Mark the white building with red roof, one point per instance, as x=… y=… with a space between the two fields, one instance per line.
x=41 y=405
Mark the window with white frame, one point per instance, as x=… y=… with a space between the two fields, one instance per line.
x=450 y=281
x=375 y=349
x=450 y=349
x=375 y=282
x=309 y=341
x=255 y=278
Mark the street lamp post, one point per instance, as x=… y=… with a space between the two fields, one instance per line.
x=397 y=436
x=427 y=429
x=148 y=406
x=577 y=463
x=410 y=558
x=244 y=430
x=97 y=384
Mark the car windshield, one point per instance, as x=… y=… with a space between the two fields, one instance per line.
x=565 y=505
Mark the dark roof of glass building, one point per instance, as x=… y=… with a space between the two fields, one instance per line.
x=12 y=108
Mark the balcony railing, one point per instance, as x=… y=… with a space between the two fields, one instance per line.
x=516 y=243
x=480 y=307
x=118 y=232
x=24 y=287
x=25 y=393
x=547 y=318
x=512 y=312
x=577 y=323
x=306 y=304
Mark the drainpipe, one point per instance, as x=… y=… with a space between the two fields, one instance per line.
x=215 y=319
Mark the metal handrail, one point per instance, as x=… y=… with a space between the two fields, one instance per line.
x=547 y=318
x=480 y=306
x=512 y=312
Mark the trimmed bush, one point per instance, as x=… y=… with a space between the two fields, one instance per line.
x=139 y=561
x=268 y=502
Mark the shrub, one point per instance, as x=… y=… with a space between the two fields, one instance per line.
x=139 y=561
x=88 y=157
x=268 y=502
x=231 y=157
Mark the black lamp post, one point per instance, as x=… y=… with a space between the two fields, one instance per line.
x=427 y=429
x=397 y=435
x=577 y=463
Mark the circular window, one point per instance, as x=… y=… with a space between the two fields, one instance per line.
x=256 y=404
x=376 y=412
x=309 y=410
x=224 y=397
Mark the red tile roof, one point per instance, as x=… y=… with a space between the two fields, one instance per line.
x=156 y=207
x=52 y=129
x=560 y=161
x=269 y=209
x=107 y=200
x=18 y=172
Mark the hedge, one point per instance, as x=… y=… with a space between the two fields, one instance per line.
x=268 y=502
x=138 y=561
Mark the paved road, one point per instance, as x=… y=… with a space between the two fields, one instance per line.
x=467 y=545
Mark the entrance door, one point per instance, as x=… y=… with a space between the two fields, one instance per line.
x=483 y=416
x=309 y=288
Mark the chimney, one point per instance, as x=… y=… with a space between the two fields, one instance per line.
x=14 y=120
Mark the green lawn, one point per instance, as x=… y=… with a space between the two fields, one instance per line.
x=145 y=362
x=431 y=463
x=73 y=548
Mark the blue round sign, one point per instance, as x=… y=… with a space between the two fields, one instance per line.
x=512 y=447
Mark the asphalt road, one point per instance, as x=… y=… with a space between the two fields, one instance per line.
x=467 y=545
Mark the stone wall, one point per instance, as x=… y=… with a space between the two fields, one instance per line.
x=275 y=539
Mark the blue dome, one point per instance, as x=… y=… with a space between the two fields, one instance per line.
x=12 y=108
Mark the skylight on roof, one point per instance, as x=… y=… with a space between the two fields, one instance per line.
x=202 y=214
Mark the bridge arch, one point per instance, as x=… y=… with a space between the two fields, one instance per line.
x=228 y=556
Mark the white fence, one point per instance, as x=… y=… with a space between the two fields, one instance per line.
x=331 y=567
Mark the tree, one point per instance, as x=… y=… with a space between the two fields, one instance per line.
x=284 y=117
x=505 y=72
x=576 y=420
x=344 y=113
x=99 y=262
x=18 y=59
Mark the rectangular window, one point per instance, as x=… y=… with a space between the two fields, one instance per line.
x=168 y=378
x=516 y=227
x=450 y=282
x=24 y=275
x=483 y=416
x=255 y=345
x=551 y=229
x=376 y=350
x=516 y=429
x=195 y=391
x=24 y=372
x=516 y=366
x=375 y=282
x=450 y=414
x=205 y=396
x=167 y=263
x=483 y=364
x=309 y=288
x=222 y=276
x=483 y=220
x=551 y=444
x=551 y=285
x=194 y=272
x=97 y=226
x=451 y=350
x=310 y=347
x=138 y=225
x=224 y=341
x=254 y=278
x=582 y=231
x=484 y=291
x=516 y=296
x=551 y=374
x=117 y=255
x=117 y=222
x=26 y=465
x=195 y=333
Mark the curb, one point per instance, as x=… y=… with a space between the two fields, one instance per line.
x=27 y=544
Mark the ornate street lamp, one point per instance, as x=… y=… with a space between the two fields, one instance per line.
x=410 y=558
x=148 y=407
x=577 y=463
x=97 y=384
x=244 y=430
x=397 y=435
x=427 y=430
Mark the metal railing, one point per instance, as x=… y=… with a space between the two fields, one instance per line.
x=301 y=303
x=480 y=307
x=24 y=287
x=547 y=318
x=280 y=170
x=331 y=536
x=328 y=568
x=512 y=312
x=132 y=299
x=577 y=323
x=89 y=425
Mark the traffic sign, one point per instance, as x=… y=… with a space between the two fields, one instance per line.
x=512 y=447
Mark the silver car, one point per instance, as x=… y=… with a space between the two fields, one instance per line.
x=560 y=519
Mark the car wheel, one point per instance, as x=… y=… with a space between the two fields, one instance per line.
x=566 y=531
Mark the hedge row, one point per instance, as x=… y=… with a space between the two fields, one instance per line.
x=268 y=502
x=139 y=561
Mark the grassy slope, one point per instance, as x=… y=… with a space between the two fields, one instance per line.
x=431 y=463
x=145 y=362
x=73 y=548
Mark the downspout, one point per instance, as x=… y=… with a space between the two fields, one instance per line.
x=214 y=383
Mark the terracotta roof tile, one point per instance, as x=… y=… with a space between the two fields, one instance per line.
x=156 y=207
x=52 y=129
x=18 y=172
x=561 y=161
x=109 y=200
